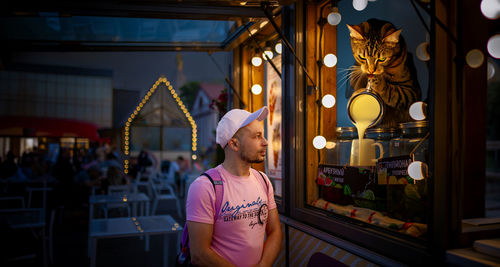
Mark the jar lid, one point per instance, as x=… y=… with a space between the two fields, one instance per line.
x=346 y=130
x=414 y=124
x=381 y=130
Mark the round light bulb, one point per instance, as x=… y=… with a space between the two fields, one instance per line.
x=328 y=101
x=256 y=89
x=417 y=170
x=491 y=70
x=334 y=18
x=194 y=157
x=494 y=46
x=359 y=5
x=330 y=60
x=490 y=8
x=256 y=61
x=319 y=142
x=418 y=111
x=422 y=51
x=474 y=58
x=268 y=54
x=278 y=48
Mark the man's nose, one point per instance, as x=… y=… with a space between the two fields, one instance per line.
x=264 y=142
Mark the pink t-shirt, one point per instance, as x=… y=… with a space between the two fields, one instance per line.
x=238 y=234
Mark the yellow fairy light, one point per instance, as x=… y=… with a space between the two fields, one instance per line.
x=127 y=124
x=126 y=137
x=126 y=161
x=126 y=128
x=132 y=116
x=125 y=171
x=126 y=143
x=126 y=147
x=146 y=97
x=126 y=133
x=135 y=112
x=129 y=120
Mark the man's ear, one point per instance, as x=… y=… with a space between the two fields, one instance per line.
x=234 y=144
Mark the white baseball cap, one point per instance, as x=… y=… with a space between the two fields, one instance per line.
x=234 y=120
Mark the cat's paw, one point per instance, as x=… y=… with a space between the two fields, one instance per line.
x=376 y=83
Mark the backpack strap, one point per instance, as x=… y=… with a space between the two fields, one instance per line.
x=216 y=179
x=263 y=180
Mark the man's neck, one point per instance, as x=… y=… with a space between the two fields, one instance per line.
x=237 y=167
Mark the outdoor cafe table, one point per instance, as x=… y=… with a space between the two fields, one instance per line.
x=133 y=226
x=133 y=198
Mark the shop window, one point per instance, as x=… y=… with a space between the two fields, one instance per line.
x=367 y=156
x=67 y=142
x=82 y=143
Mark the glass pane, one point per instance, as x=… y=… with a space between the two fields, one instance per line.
x=493 y=140
x=145 y=137
x=117 y=31
x=175 y=138
x=274 y=126
x=364 y=167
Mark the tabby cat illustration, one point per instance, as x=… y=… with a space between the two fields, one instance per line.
x=383 y=64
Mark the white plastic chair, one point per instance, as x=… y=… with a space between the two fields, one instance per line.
x=119 y=190
x=143 y=180
x=162 y=190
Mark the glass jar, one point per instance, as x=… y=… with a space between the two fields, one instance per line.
x=384 y=137
x=341 y=152
x=411 y=140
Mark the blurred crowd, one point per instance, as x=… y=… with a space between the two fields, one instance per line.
x=74 y=174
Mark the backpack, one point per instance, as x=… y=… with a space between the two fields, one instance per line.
x=184 y=257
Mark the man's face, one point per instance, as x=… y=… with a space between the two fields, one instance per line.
x=252 y=144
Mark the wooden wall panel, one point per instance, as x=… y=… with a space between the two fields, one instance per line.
x=312 y=154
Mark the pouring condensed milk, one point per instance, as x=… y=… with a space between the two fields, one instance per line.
x=365 y=109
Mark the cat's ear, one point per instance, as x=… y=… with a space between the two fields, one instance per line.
x=393 y=37
x=355 y=32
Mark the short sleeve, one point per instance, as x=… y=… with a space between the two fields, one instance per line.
x=270 y=194
x=200 y=201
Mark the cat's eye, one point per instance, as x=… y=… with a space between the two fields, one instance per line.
x=382 y=59
x=362 y=57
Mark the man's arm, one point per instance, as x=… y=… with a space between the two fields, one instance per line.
x=272 y=246
x=200 y=238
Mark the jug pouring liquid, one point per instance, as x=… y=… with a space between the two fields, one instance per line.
x=365 y=110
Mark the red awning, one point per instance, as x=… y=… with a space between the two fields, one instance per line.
x=47 y=127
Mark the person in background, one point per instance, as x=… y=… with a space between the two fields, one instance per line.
x=9 y=166
x=175 y=173
x=143 y=161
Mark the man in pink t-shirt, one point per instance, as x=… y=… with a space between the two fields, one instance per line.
x=247 y=231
